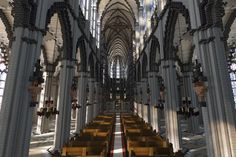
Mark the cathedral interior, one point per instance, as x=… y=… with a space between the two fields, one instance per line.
x=117 y=78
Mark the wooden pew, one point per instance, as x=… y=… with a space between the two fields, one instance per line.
x=142 y=141
x=96 y=151
x=93 y=140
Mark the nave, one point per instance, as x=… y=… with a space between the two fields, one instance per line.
x=169 y=63
x=41 y=145
x=118 y=135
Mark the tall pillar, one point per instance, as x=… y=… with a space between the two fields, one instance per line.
x=43 y=122
x=193 y=121
x=154 y=89
x=172 y=100
x=96 y=100
x=82 y=94
x=63 y=119
x=16 y=113
x=140 y=99
x=145 y=100
x=90 y=100
x=136 y=100
x=218 y=115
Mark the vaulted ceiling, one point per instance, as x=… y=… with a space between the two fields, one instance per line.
x=118 y=18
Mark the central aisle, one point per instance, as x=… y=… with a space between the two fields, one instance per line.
x=118 y=150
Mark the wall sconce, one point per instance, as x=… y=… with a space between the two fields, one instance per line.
x=47 y=111
x=186 y=108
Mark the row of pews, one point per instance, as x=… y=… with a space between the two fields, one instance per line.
x=142 y=141
x=94 y=140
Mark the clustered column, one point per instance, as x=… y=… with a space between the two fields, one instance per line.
x=154 y=91
x=82 y=96
x=96 y=108
x=144 y=109
x=90 y=105
x=16 y=112
x=193 y=121
x=218 y=114
x=171 y=118
x=43 y=122
x=63 y=119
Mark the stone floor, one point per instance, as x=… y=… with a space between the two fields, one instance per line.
x=193 y=144
x=40 y=144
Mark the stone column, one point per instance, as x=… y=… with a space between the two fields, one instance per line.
x=63 y=119
x=218 y=115
x=154 y=89
x=43 y=122
x=145 y=100
x=140 y=99
x=172 y=100
x=96 y=100
x=136 y=100
x=82 y=94
x=16 y=113
x=90 y=100
x=193 y=121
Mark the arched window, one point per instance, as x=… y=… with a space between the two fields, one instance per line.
x=232 y=69
x=3 y=70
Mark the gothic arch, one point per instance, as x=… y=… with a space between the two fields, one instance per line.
x=8 y=26
x=144 y=65
x=62 y=10
x=229 y=23
x=155 y=48
x=83 y=54
x=91 y=65
x=175 y=9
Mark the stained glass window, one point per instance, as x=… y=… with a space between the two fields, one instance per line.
x=3 y=70
x=232 y=69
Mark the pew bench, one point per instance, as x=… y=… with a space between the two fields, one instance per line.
x=83 y=151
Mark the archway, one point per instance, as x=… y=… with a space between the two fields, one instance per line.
x=144 y=66
x=154 y=54
x=56 y=47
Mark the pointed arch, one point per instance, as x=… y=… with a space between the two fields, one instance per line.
x=63 y=13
